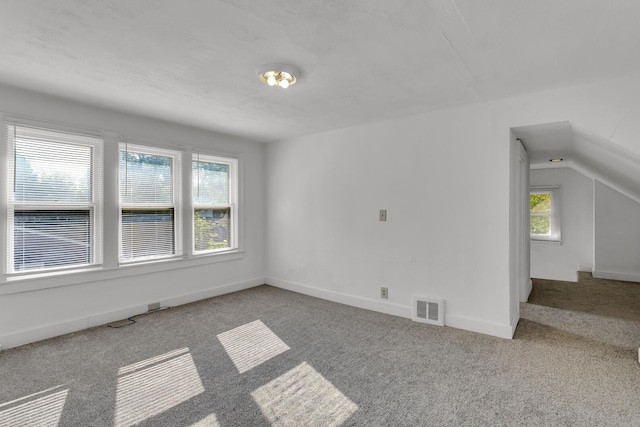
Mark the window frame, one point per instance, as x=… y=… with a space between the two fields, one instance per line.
x=175 y=204
x=94 y=205
x=109 y=207
x=555 y=215
x=232 y=163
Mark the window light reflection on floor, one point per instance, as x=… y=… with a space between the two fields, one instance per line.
x=302 y=396
x=251 y=344
x=41 y=409
x=209 y=421
x=155 y=385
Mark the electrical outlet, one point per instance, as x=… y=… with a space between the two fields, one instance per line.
x=383 y=214
x=384 y=293
x=154 y=306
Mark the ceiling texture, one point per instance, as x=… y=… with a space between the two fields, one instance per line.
x=583 y=151
x=196 y=61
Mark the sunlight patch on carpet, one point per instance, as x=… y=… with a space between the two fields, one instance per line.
x=302 y=396
x=209 y=421
x=155 y=385
x=251 y=345
x=41 y=409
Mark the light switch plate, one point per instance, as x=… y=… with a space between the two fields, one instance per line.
x=383 y=214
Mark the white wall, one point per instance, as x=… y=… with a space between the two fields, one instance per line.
x=91 y=299
x=324 y=237
x=444 y=178
x=560 y=261
x=519 y=265
x=617 y=235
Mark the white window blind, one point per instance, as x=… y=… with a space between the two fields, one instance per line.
x=54 y=206
x=149 y=223
x=214 y=194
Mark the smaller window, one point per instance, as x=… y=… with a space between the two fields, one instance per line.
x=214 y=194
x=544 y=208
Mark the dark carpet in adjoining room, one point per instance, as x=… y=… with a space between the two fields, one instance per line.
x=267 y=356
x=609 y=298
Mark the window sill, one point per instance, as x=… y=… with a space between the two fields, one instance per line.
x=546 y=242
x=27 y=283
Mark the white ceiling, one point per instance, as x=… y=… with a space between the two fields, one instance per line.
x=547 y=141
x=590 y=154
x=195 y=61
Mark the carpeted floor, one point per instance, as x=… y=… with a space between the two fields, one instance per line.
x=266 y=356
x=610 y=298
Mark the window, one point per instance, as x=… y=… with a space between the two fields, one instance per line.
x=149 y=214
x=214 y=194
x=54 y=197
x=544 y=206
x=53 y=209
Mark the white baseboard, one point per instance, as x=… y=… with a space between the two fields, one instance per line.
x=214 y=292
x=339 y=297
x=481 y=326
x=625 y=277
x=474 y=325
x=52 y=330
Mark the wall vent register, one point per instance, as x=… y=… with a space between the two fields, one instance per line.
x=428 y=310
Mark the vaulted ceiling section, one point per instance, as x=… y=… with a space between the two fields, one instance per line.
x=196 y=61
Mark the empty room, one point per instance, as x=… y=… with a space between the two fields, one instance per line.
x=330 y=213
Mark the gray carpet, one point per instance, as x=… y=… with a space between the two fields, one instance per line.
x=266 y=356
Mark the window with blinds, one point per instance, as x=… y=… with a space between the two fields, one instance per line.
x=54 y=189
x=213 y=195
x=148 y=203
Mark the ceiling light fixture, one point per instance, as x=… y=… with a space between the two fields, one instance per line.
x=279 y=75
x=558 y=159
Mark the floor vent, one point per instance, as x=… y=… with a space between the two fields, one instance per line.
x=428 y=310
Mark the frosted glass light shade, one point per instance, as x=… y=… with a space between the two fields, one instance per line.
x=279 y=75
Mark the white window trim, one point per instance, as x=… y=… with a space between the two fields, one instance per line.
x=233 y=201
x=50 y=280
x=176 y=157
x=95 y=206
x=555 y=217
x=111 y=269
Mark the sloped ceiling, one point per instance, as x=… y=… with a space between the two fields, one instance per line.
x=362 y=60
x=590 y=154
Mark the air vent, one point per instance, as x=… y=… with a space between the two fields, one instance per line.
x=428 y=310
